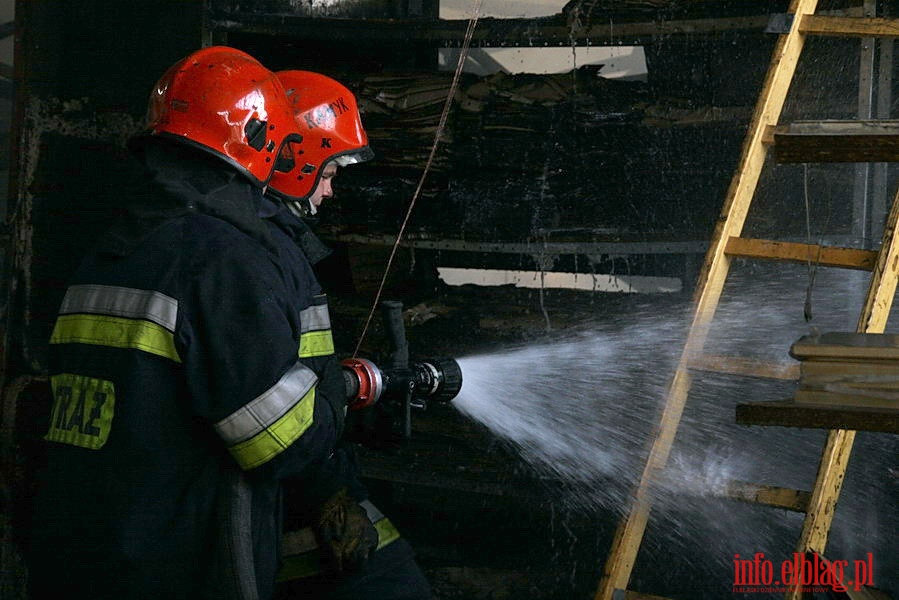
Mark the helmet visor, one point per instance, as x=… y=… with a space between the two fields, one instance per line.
x=354 y=157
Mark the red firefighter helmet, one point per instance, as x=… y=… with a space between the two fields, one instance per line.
x=328 y=119
x=223 y=101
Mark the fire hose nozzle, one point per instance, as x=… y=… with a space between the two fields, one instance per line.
x=433 y=379
x=364 y=382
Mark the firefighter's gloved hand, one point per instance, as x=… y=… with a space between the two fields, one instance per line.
x=331 y=387
x=344 y=533
x=374 y=427
x=338 y=405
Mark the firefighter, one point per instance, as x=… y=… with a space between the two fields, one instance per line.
x=184 y=380
x=329 y=121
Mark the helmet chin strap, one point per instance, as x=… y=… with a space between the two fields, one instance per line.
x=302 y=208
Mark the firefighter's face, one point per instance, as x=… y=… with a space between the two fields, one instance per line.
x=324 y=190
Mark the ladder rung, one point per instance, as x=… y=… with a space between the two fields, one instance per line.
x=849 y=26
x=745 y=367
x=825 y=256
x=769 y=495
x=837 y=141
x=788 y=413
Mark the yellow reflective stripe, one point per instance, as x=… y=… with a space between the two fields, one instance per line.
x=316 y=343
x=277 y=437
x=299 y=566
x=115 y=332
x=387 y=532
x=83 y=409
x=307 y=564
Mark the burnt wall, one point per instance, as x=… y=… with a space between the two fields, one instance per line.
x=576 y=157
x=84 y=71
x=573 y=156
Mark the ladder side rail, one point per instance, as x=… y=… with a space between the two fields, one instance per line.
x=629 y=535
x=742 y=188
x=838 y=448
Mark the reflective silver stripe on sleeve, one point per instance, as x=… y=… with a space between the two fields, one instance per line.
x=121 y=302
x=315 y=318
x=264 y=410
x=374 y=515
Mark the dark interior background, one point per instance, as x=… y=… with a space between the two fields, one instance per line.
x=524 y=159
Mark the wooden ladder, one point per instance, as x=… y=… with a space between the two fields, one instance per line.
x=856 y=141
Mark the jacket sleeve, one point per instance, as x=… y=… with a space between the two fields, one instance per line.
x=305 y=495
x=240 y=354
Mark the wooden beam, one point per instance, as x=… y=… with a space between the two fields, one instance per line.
x=837 y=141
x=849 y=26
x=788 y=413
x=590 y=247
x=769 y=495
x=824 y=256
x=490 y=32
x=745 y=367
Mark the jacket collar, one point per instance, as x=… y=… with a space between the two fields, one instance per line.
x=295 y=228
x=182 y=181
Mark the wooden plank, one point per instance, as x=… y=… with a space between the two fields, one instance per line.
x=824 y=256
x=872 y=398
x=769 y=495
x=847 y=346
x=629 y=534
x=842 y=127
x=826 y=25
x=788 y=413
x=825 y=370
x=746 y=367
x=837 y=141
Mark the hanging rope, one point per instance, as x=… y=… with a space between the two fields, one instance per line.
x=463 y=54
x=812 y=265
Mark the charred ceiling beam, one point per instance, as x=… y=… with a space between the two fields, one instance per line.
x=575 y=247
x=490 y=32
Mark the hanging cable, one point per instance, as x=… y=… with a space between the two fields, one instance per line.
x=812 y=266
x=463 y=54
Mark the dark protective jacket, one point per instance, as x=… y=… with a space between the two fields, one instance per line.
x=302 y=249
x=182 y=395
